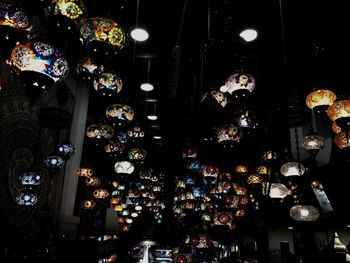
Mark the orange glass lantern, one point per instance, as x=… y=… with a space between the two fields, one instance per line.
x=339 y=112
x=242 y=169
x=341 y=140
x=100 y=193
x=88 y=204
x=335 y=127
x=85 y=172
x=92 y=181
x=320 y=99
x=254 y=179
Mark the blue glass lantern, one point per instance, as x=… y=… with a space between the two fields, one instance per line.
x=27 y=197
x=54 y=162
x=66 y=150
x=30 y=178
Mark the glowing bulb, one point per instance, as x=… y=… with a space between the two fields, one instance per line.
x=147 y=87
x=139 y=34
x=249 y=35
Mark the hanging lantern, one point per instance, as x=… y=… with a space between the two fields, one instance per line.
x=27 y=197
x=120 y=114
x=313 y=143
x=215 y=97
x=335 y=127
x=66 y=150
x=263 y=170
x=87 y=69
x=92 y=181
x=292 y=169
x=99 y=131
x=242 y=169
x=269 y=155
x=102 y=37
x=228 y=134
x=246 y=120
x=239 y=84
x=275 y=190
x=341 y=140
x=254 y=179
x=210 y=174
x=224 y=219
x=100 y=193
x=305 y=213
x=114 y=148
x=54 y=162
x=189 y=152
x=339 y=112
x=39 y=65
x=88 y=204
x=107 y=83
x=85 y=172
x=30 y=178
x=320 y=100
x=66 y=15
x=124 y=167
x=136 y=133
x=137 y=155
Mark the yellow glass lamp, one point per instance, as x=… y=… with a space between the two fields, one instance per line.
x=319 y=100
x=339 y=112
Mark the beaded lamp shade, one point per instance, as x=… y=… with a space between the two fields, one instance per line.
x=321 y=97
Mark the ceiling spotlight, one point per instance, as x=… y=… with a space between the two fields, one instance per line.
x=139 y=34
x=147 y=87
x=152 y=117
x=249 y=34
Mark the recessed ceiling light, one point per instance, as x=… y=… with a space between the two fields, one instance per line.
x=152 y=117
x=249 y=35
x=147 y=87
x=139 y=34
x=157 y=137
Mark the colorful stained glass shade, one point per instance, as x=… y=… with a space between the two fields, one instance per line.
x=87 y=68
x=41 y=58
x=103 y=30
x=54 y=162
x=85 y=172
x=100 y=193
x=119 y=113
x=246 y=119
x=66 y=150
x=339 y=109
x=30 y=178
x=114 y=147
x=137 y=154
x=341 y=140
x=92 y=181
x=239 y=81
x=304 y=213
x=216 y=97
x=228 y=133
x=136 y=132
x=99 y=131
x=321 y=97
x=88 y=204
x=254 y=179
x=107 y=83
x=27 y=197
x=74 y=10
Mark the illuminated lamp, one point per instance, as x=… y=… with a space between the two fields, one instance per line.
x=100 y=193
x=107 y=83
x=228 y=134
x=210 y=174
x=88 y=204
x=214 y=97
x=240 y=189
x=66 y=150
x=254 y=179
x=99 y=131
x=27 y=197
x=313 y=143
x=189 y=152
x=85 y=172
x=92 y=181
x=30 y=178
x=126 y=228
x=137 y=155
x=15 y=26
x=240 y=213
x=240 y=85
x=248 y=34
x=124 y=167
x=319 y=100
x=241 y=169
x=54 y=162
x=200 y=241
x=342 y=141
x=304 y=213
x=194 y=165
x=339 y=112
x=335 y=127
x=87 y=68
x=263 y=170
x=136 y=133
x=119 y=114
x=275 y=190
x=139 y=34
x=113 y=148
x=269 y=155
x=39 y=65
x=292 y=169
x=223 y=219
x=102 y=37
x=118 y=208
x=66 y=15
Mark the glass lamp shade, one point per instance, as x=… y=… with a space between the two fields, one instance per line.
x=54 y=162
x=263 y=169
x=339 y=112
x=200 y=241
x=292 y=169
x=341 y=140
x=189 y=152
x=87 y=69
x=215 y=97
x=137 y=155
x=304 y=213
x=136 y=133
x=320 y=98
x=85 y=172
x=254 y=179
x=246 y=119
x=88 y=204
x=275 y=190
x=66 y=150
x=99 y=131
x=114 y=147
x=100 y=193
x=242 y=169
x=92 y=181
x=335 y=127
x=269 y=155
x=228 y=133
x=102 y=36
x=124 y=167
x=39 y=57
x=27 y=197
x=120 y=114
x=313 y=143
x=107 y=83
x=210 y=174
x=66 y=14
x=30 y=178
x=223 y=219
x=239 y=81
